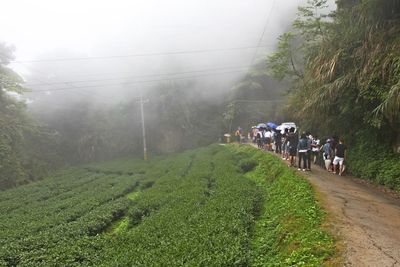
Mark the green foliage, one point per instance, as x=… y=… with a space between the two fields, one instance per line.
x=9 y=80
x=176 y=117
x=372 y=159
x=198 y=214
x=288 y=231
x=283 y=64
x=350 y=79
x=350 y=66
x=26 y=148
x=254 y=99
x=260 y=95
x=181 y=117
x=193 y=204
x=48 y=222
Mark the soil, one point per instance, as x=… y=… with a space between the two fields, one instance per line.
x=366 y=219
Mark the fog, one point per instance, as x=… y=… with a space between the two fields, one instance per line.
x=140 y=37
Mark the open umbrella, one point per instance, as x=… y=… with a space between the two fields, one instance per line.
x=261 y=125
x=272 y=125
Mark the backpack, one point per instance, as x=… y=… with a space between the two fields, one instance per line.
x=302 y=144
x=327 y=148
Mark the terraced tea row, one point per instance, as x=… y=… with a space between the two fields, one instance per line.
x=202 y=217
x=57 y=220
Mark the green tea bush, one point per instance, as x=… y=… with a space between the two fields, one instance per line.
x=214 y=206
x=41 y=219
x=201 y=215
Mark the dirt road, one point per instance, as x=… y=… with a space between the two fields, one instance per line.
x=367 y=220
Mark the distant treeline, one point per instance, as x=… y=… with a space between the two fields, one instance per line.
x=44 y=137
x=26 y=150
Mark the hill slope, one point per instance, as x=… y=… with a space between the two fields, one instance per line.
x=218 y=205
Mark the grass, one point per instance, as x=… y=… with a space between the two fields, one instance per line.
x=289 y=230
x=119 y=227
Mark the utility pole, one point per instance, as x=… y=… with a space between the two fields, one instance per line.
x=143 y=127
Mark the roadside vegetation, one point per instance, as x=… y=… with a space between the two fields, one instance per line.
x=343 y=68
x=288 y=231
x=340 y=67
x=213 y=206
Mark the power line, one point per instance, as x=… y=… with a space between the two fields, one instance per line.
x=139 y=55
x=103 y=74
x=82 y=91
x=259 y=101
x=132 y=77
x=135 y=82
x=263 y=33
x=69 y=83
x=40 y=80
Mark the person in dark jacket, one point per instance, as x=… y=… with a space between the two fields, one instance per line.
x=292 y=140
x=278 y=142
x=327 y=154
x=309 y=147
x=340 y=156
x=302 y=151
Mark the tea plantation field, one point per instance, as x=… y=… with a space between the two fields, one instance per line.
x=213 y=206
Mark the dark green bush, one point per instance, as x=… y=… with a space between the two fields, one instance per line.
x=371 y=160
x=247 y=164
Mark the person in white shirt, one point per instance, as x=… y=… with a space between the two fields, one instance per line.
x=268 y=139
x=315 y=146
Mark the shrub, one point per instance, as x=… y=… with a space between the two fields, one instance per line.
x=247 y=164
x=368 y=160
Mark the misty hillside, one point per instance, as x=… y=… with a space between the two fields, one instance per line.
x=199 y=133
x=77 y=83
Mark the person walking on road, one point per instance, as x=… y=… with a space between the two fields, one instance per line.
x=268 y=139
x=327 y=154
x=238 y=134
x=259 y=138
x=293 y=140
x=340 y=155
x=285 y=146
x=309 y=147
x=278 y=142
x=302 y=151
x=315 y=145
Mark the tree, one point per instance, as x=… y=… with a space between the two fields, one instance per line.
x=350 y=80
x=26 y=147
x=255 y=98
x=348 y=72
x=13 y=122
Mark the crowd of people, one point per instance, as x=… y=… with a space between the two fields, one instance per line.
x=300 y=150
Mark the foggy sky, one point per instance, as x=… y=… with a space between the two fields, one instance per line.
x=48 y=29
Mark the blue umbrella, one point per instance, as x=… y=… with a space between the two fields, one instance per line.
x=261 y=125
x=272 y=125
